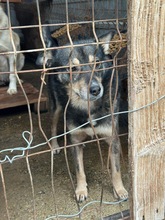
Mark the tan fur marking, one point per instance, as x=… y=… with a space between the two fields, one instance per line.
x=91 y=58
x=54 y=142
x=104 y=131
x=76 y=100
x=75 y=61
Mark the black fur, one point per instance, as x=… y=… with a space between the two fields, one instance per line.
x=87 y=85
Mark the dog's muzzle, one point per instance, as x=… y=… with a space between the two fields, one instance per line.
x=95 y=90
x=92 y=93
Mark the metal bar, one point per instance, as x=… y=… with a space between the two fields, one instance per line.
x=124 y=215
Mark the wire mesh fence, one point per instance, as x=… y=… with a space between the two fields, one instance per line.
x=35 y=182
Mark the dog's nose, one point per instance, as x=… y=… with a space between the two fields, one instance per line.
x=95 y=90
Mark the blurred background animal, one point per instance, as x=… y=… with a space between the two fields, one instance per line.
x=9 y=62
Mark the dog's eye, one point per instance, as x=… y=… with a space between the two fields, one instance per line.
x=74 y=69
x=98 y=64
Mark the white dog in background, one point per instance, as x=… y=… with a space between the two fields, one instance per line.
x=7 y=61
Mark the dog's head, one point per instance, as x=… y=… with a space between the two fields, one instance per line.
x=83 y=67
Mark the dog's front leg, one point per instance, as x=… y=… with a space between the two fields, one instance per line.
x=12 y=84
x=12 y=77
x=81 y=188
x=119 y=190
x=55 y=119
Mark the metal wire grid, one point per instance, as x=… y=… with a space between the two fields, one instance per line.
x=25 y=153
x=103 y=10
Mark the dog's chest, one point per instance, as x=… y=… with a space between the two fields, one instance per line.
x=91 y=126
x=102 y=130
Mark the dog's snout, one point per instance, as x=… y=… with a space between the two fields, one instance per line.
x=95 y=90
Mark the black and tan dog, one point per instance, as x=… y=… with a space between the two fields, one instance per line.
x=85 y=80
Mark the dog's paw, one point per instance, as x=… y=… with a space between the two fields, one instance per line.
x=55 y=147
x=81 y=194
x=56 y=150
x=12 y=91
x=121 y=193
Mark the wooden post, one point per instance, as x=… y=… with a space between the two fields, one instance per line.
x=146 y=69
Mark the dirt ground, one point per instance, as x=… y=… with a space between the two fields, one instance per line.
x=31 y=174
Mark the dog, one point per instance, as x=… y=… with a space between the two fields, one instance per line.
x=48 y=58
x=7 y=61
x=82 y=90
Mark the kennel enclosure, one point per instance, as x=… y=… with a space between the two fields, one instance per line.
x=145 y=24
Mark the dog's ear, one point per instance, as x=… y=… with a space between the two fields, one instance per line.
x=49 y=40
x=106 y=38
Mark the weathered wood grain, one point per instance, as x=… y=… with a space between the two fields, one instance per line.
x=146 y=68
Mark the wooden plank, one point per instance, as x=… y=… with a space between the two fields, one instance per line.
x=8 y=101
x=146 y=83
